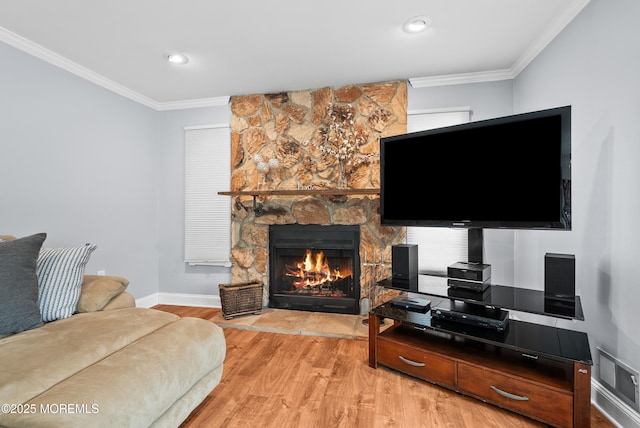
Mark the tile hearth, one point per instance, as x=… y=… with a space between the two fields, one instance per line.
x=300 y=322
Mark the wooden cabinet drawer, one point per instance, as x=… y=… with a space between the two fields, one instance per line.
x=517 y=394
x=416 y=362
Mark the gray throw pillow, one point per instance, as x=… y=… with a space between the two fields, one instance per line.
x=19 y=309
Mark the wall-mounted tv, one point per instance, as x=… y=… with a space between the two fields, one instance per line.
x=509 y=172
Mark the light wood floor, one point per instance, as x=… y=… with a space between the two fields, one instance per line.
x=279 y=380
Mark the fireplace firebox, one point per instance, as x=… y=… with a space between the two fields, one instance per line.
x=314 y=268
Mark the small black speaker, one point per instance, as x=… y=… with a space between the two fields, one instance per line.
x=560 y=276
x=404 y=262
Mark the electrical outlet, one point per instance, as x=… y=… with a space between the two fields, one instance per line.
x=102 y=272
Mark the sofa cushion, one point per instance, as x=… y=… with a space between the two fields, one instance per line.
x=36 y=360
x=124 y=368
x=19 y=309
x=97 y=291
x=60 y=272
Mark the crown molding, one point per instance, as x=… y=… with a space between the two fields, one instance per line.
x=520 y=64
x=462 y=78
x=197 y=103
x=53 y=58
x=545 y=38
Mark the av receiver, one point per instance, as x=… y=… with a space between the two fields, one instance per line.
x=469 y=271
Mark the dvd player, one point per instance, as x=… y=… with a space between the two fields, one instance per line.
x=472 y=314
x=411 y=303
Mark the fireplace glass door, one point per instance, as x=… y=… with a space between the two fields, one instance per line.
x=314 y=268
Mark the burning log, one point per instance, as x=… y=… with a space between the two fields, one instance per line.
x=314 y=273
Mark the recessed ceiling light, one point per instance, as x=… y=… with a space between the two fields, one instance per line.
x=417 y=24
x=176 y=58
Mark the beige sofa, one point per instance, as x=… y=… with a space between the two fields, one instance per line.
x=109 y=365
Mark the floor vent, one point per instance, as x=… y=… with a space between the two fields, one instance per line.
x=619 y=378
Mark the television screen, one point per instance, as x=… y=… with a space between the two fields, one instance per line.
x=509 y=172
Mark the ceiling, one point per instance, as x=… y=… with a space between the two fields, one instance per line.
x=266 y=46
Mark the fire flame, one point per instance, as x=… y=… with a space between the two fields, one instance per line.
x=313 y=271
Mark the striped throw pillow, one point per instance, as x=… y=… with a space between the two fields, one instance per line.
x=60 y=272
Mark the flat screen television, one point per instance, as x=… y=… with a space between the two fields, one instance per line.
x=510 y=172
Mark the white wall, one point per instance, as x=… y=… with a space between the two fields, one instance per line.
x=175 y=275
x=80 y=163
x=594 y=65
x=487 y=100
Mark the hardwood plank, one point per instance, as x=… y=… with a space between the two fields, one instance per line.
x=280 y=381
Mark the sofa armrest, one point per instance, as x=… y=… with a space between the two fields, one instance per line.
x=100 y=292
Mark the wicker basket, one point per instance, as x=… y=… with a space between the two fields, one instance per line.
x=242 y=298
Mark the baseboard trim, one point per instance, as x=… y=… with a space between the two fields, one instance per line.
x=199 y=300
x=147 y=301
x=614 y=409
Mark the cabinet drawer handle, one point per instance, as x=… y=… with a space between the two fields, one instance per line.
x=508 y=395
x=411 y=363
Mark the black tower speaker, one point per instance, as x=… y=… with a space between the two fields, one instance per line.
x=404 y=262
x=560 y=276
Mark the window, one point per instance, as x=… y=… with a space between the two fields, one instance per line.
x=437 y=247
x=207 y=215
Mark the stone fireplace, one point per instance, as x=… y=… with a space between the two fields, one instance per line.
x=283 y=175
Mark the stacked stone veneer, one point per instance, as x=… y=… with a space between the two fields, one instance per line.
x=285 y=126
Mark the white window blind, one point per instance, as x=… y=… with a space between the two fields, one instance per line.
x=437 y=247
x=207 y=215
